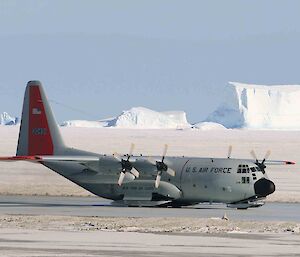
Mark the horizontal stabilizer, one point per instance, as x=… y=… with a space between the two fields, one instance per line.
x=50 y=158
x=20 y=158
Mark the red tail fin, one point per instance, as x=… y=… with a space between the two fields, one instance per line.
x=39 y=133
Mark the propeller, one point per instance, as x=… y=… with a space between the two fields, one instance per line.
x=126 y=165
x=229 y=152
x=162 y=167
x=261 y=164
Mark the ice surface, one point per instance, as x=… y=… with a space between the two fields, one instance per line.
x=6 y=119
x=137 y=117
x=54 y=240
x=259 y=107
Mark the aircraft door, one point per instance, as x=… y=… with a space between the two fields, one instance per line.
x=195 y=178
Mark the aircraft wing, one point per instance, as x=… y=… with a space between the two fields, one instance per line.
x=271 y=162
x=145 y=166
x=91 y=162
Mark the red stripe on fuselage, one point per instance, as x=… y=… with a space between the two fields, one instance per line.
x=39 y=138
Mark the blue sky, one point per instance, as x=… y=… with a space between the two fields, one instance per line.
x=102 y=57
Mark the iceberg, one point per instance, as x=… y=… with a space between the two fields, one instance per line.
x=6 y=119
x=138 y=117
x=259 y=107
x=205 y=126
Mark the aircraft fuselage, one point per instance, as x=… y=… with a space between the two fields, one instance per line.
x=197 y=180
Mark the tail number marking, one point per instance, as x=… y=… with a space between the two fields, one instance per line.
x=39 y=131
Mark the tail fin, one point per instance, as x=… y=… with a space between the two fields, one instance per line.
x=39 y=133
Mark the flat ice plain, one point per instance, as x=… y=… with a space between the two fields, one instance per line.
x=42 y=235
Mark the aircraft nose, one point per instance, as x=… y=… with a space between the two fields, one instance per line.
x=264 y=187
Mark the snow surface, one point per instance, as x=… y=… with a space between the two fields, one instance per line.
x=259 y=107
x=137 y=117
x=6 y=119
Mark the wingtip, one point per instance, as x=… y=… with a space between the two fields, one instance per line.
x=290 y=163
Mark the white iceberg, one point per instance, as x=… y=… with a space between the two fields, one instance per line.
x=6 y=119
x=138 y=117
x=205 y=126
x=259 y=107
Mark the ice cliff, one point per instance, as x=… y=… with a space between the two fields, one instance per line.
x=259 y=107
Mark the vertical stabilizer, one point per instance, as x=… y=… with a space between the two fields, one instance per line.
x=39 y=132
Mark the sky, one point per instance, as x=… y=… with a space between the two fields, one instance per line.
x=98 y=58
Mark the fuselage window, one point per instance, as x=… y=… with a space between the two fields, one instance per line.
x=245 y=180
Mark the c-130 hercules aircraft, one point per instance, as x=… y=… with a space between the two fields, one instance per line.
x=140 y=180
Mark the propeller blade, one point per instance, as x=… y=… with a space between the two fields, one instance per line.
x=268 y=153
x=135 y=172
x=157 y=180
x=171 y=172
x=121 y=178
x=132 y=146
x=117 y=156
x=253 y=155
x=229 y=151
x=165 y=151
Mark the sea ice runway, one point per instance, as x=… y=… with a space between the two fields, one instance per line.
x=95 y=206
x=90 y=226
x=23 y=242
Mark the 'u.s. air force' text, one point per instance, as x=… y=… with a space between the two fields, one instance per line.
x=207 y=170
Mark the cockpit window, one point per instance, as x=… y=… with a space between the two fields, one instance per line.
x=254 y=169
x=243 y=168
